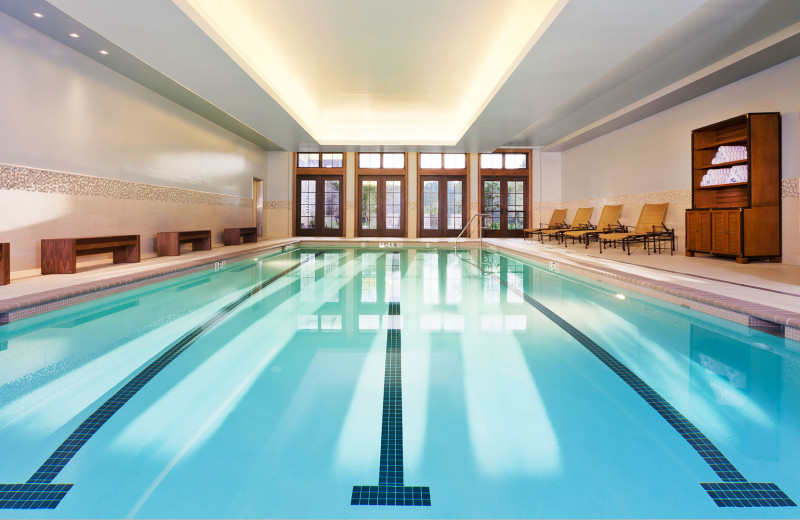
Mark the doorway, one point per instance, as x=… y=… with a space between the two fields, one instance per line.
x=381 y=206
x=443 y=202
x=319 y=203
x=258 y=205
x=503 y=198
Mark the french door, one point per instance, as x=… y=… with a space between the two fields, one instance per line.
x=442 y=212
x=319 y=207
x=503 y=198
x=381 y=206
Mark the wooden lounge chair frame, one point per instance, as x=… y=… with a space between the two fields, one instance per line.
x=650 y=226
x=579 y=222
x=557 y=221
x=607 y=223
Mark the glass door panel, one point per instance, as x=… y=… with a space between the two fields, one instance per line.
x=394 y=202
x=369 y=204
x=308 y=204
x=515 y=204
x=491 y=205
x=430 y=205
x=455 y=205
x=332 y=204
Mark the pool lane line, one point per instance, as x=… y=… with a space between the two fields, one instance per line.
x=39 y=492
x=390 y=490
x=734 y=490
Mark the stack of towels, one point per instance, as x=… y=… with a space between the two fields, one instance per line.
x=730 y=153
x=717 y=176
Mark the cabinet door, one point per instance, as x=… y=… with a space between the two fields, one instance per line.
x=726 y=232
x=698 y=231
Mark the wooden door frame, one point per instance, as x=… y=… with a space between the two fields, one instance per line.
x=319 y=207
x=385 y=173
x=295 y=210
x=504 y=232
x=381 y=231
x=442 y=231
x=526 y=173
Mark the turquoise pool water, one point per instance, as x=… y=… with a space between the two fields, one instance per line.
x=374 y=383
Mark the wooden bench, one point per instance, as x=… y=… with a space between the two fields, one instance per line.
x=58 y=254
x=5 y=263
x=168 y=243
x=231 y=236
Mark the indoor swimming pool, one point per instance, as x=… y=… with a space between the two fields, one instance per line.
x=394 y=383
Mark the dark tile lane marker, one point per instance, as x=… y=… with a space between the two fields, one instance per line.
x=734 y=490
x=39 y=492
x=390 y=490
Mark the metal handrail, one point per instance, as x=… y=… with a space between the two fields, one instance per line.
x=480 y=229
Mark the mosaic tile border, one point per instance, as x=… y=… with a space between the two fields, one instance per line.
x=48 y=181
x=790 y=188
x=278 y=204
x=727 y=308
x=674 y=197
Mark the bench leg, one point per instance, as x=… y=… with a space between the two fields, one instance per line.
x=128 y=254
x=58 y=256
x=201 y=244
x=167 y=244
x=5 y=263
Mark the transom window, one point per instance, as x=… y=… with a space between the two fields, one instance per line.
x=504 y=161
x=314 y=160
x=437 y=161
x=382 y=160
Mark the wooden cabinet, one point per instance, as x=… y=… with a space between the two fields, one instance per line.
x=732 y=214
x=698 y=231
x=726 y=232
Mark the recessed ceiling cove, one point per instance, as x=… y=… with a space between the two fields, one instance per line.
x=410 y=72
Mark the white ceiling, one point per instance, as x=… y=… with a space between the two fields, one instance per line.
x=467 y=75
x=361 y=71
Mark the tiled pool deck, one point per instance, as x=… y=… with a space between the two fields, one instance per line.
x=759 y=294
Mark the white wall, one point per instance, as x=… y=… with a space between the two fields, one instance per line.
x=654 y=154
x=650 y=161
x=278 y=198
x=65 y=112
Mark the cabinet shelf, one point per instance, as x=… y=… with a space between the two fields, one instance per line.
x=721 y=165
x=724 y=142
x=717 y=186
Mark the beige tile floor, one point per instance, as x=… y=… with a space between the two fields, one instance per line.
x=771 y=286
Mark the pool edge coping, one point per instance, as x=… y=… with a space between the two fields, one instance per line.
x=729 y=308
x=20 y=307
x=725 y=307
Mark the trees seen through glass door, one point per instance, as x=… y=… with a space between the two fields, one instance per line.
x=504 y=192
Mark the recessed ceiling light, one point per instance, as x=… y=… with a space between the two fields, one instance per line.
x=75 y=35
x=38 y=15
x=104 y=52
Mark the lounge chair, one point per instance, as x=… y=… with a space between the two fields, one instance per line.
x=557 y=221
x=579 y=222
x=608 y=223
x=650 y=225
